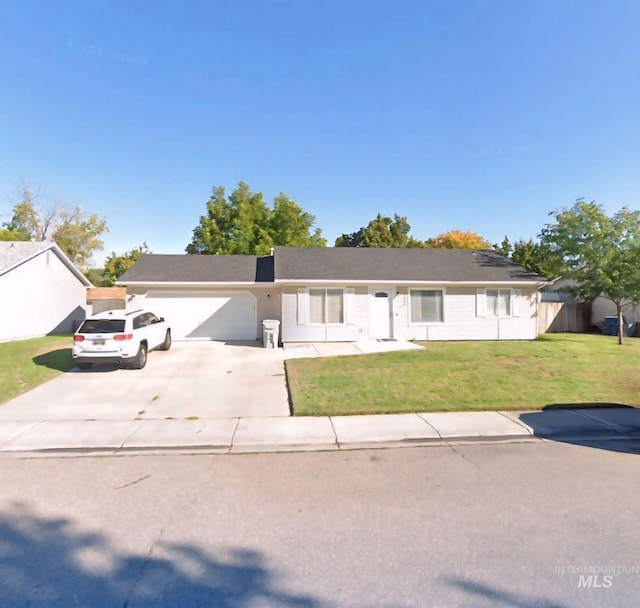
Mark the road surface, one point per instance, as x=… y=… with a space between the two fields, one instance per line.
x=547 y=525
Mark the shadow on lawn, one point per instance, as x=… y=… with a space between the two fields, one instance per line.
x=51 y=562
x=607 y=426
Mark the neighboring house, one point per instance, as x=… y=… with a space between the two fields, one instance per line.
x=41 y=291
x=340 y=294
x=556 y=291
x=603 y=307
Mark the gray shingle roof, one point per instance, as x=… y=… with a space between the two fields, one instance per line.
x=13 y=252
x=342 y=264
x=373 y=264
x=200 y=269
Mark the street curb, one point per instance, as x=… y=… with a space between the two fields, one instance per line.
x=202 y=450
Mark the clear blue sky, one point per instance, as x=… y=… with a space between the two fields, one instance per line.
x=475 y=114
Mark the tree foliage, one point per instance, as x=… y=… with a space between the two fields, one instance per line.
x=382 y=231
x=532 y=255
x=242 y=223
x=600 y=253
x=115 y=266
x=459 y=239
x=75 y=233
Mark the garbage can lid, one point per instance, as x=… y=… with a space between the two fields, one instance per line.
x=270 y=323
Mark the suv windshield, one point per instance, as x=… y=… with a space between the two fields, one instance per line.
x=102 y=326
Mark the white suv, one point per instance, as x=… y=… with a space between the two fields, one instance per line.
x=120 y=336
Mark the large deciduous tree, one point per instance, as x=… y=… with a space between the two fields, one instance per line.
x=242 y=223
x=382 y=231
x=459 y=239
x=601 y=253
x=75 y=233
x=532 y=255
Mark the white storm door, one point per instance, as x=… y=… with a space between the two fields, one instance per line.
x=380 y=314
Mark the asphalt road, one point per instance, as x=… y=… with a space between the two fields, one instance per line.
x=548 y=525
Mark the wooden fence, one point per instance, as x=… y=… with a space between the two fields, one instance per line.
x=558 y=317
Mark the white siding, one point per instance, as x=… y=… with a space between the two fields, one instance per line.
x=295 y=330
x=463 y=319
x=39 y=297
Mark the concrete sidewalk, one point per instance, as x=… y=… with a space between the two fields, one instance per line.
x=279 y=434
x=306 y=350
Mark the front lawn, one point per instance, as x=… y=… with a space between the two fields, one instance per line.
x=27 y=363
x=447 y=376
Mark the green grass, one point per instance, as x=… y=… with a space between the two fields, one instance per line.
x=447 y=376
x=27 y=363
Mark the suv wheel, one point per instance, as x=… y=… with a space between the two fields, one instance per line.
x=166 y=345
x=140 y=359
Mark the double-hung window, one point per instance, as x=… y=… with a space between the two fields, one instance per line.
x=498 y=303
x=426 y=306
x=326 y=306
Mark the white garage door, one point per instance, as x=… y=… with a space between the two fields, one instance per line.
x=213 y=316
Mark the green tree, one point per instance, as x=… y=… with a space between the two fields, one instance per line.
x=382 y=231
x=291 y=225
x=76 y=234
x=537 y=257
x=116 y=265
x=505 y=248
x=242 y=223
x=532 y=255
x=600 y=253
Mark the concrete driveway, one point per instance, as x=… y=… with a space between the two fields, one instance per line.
x=192 y=380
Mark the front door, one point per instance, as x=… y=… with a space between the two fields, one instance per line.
x=380 y=303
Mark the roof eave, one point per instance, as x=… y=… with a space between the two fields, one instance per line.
x=401 y=282
x=193 y=283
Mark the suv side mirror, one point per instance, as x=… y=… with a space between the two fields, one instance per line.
x=161 y=319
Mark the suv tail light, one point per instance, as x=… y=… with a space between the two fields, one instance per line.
x=121 y=337
x=78 y=338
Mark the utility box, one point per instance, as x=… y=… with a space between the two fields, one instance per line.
x=270 y=333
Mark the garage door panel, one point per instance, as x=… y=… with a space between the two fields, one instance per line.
x=219 y=316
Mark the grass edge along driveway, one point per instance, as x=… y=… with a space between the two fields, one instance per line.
x=458 y=376
x=24 y=364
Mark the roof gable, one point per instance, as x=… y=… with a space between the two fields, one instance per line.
x=16 y=253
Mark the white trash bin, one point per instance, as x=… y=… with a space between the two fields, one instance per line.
x=270 y=333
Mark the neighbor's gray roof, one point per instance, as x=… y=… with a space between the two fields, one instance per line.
x=153 y=268
x=383 y=264
x=14 y=252
x=342 y=264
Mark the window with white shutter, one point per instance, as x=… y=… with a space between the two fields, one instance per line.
x=326 y=306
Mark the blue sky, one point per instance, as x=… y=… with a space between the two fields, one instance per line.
x=464 y=114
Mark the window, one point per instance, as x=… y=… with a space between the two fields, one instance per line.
x=102 y=326
x=326 y=306
x=498 y=303
x=426 y=306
